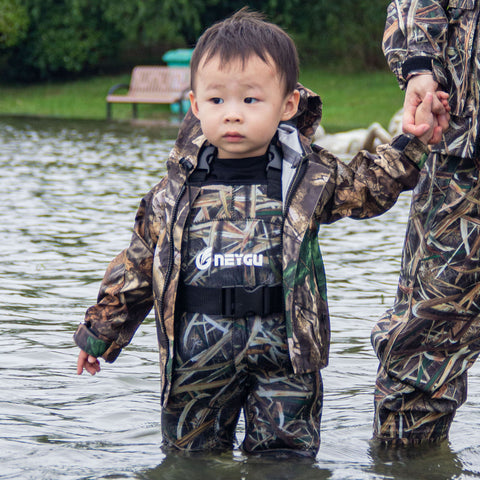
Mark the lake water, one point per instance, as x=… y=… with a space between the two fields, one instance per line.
x=69 y=191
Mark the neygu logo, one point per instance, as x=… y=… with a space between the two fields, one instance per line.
x=206 y=258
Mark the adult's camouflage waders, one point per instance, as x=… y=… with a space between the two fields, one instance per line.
x=431 y=336
x=221 y=364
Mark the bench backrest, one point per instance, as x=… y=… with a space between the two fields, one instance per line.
x=151 y=79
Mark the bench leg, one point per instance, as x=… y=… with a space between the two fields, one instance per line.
x=134 y=110
x=109 y=111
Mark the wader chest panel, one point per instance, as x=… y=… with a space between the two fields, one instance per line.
x=233 y=238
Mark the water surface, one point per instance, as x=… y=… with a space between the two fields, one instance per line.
x=69 y=191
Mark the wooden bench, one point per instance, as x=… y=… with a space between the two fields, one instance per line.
x=152 y=84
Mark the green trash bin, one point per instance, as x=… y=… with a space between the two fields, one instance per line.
x=179 y=58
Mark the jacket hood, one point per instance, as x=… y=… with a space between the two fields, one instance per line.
x=309 y=112
x=190 y=136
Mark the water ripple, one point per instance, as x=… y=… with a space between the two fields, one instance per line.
x=69 y=192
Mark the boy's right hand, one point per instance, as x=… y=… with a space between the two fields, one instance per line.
x=87 y=362
x=417 y=88
x=428 y=129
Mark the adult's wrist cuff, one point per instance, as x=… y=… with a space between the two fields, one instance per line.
x=416 y=64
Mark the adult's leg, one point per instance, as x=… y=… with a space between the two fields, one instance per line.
x=409 y=416
x=430 y=338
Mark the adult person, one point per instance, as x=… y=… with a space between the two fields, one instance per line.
x=431 y=337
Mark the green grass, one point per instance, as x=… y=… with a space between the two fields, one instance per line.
x=355 y=100
x=351 y=100
x=83 y=99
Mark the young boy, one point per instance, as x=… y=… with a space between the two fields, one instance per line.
x=225 y=248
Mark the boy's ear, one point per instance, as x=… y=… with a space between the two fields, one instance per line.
x=193 y=103
x=291 y=105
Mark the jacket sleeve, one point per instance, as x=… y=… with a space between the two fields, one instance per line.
x=125 y=297
x=415 y=38
x=371 y=183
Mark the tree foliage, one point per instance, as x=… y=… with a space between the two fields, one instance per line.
x=64 y=36
x=13 y=22
x=49 y=38
x=347 y=32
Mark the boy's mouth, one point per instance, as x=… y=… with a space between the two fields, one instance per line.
x=233 y=137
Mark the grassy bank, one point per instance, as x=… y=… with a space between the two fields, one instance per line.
x=350 y=100
x=355 y=100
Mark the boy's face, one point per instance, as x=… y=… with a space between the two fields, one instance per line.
x=240 y=106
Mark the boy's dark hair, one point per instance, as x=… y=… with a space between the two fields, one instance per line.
x=243 y=34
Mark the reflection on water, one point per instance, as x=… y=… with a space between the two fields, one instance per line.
x=69 y=191
x=436 y=462
x=227 y=467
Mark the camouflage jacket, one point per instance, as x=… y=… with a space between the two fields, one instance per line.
x=440 y=36
x=318 y=188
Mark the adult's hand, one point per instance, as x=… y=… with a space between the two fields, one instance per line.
x=418 y=86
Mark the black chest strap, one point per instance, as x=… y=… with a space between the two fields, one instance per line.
x=235 y=302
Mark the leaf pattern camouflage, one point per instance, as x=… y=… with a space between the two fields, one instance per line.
x=223 y=365
x=444 y=33
x=234 y=220
x=322 y=189
x=430 y=338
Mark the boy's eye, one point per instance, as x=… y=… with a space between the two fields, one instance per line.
x=216 y=100
x=250 y=100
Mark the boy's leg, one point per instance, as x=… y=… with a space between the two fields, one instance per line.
x=207 y=394
x=430 y=338
x=282 y=410
x=224 y=365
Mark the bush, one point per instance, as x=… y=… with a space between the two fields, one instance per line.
x=44 y=39
x=13 y=23
x=335 y=34
x=63 y=37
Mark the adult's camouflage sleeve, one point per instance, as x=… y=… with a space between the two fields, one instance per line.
x=415 y=38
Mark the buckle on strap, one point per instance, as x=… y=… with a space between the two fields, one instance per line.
x=238 y=302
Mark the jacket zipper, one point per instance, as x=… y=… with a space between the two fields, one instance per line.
x=186 y=164
x=288 y=199
x=168 y=275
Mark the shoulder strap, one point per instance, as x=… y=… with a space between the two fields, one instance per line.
x=274 y=173
x=274 y=169
x=205 y=157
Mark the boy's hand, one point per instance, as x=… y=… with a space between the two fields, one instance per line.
x=427 y=127
x=87 y=362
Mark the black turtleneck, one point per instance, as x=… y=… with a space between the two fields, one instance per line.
x=250 y=170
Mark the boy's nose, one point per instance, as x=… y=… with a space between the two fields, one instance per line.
x=233 y=117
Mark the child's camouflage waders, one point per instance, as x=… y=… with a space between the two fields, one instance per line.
x=225 y=364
